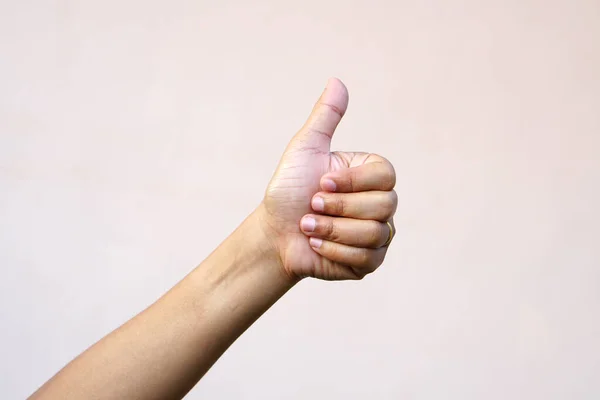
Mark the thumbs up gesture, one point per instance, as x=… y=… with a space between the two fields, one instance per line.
x=329 y=214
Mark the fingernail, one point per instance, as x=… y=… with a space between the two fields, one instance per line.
x=315 y=242
x=318 y=204
x=328 y=185
x=308 y=224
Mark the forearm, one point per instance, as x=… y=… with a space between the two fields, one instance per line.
x=165 y=350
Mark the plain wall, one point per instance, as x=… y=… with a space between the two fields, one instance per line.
x=135 y=135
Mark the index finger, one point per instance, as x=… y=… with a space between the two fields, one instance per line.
x=378 y=174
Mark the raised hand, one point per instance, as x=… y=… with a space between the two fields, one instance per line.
x=325 y=215
x=329 y=213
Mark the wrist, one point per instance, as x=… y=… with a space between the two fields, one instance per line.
x=249 y=254
x=266 y=240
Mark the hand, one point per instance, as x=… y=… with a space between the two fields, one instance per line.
x=327 y=212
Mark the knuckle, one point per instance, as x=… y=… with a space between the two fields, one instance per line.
x=388 y=174
x=332 y=108
x=324 y=227
x=391 y=204
x=338 y=253
x=379 y=257
x=317 y=132
x=389 y=177
x=352 y=179
x=373 y=266
x=338 y=204
x=331 y=231
x=364 y=259
x=394 y=198
x=374 y=260
x=374 y=235
x=390 y=166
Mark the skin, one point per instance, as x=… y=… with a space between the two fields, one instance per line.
x=323 y=216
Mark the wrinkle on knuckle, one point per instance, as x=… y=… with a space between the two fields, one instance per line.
x=340 y=205
x=315 y=131
x=333 y=108
x=331 y=231
x=352 y=177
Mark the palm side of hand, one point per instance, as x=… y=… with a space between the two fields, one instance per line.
x=307 y=168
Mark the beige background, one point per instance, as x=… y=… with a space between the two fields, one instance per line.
x=135 y=135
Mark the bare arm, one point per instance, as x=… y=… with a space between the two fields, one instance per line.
x=165 y=350
x=326 y=215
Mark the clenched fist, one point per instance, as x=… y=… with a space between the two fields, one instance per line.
x=329 y=214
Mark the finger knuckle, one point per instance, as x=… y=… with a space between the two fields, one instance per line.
x=364 y=259
x=338 y=204
x=333 y=252
x=391 y=204
x=394 y=198
x=389 y=177
x=374 y=235
x=352 y=179
x=378 y=257
x=331 y=231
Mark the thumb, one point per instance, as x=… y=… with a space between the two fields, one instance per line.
x=325 y=116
